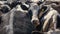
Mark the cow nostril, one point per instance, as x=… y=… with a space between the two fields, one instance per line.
x=36 y=22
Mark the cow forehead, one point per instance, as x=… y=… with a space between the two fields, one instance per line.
x=34 y=7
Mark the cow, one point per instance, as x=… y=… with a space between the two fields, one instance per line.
x=34 y=11
x=20 y=12
x=34 y=8
x=17 y=21
x=50 y=19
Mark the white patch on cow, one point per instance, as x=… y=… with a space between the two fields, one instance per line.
x=8 y=22
x=10 y=27
x=1 y=2
x=7 y=27
x=51 y=12
x=34 y=0
x=6 y=6
x=49 y=32
x=42 y=0
x=18 y=7
x=34 y=18
x=25 y=4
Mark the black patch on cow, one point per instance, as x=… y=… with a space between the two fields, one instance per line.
x=7 y=4
x=24 y=7
x=22 y=23
x=0 y=19
x=58 y=22
x=39 y=2
x=30 y=14
x=5 y=9
x=13 y=4
x=28 y=2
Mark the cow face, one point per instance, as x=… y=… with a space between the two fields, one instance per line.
x=34 y=9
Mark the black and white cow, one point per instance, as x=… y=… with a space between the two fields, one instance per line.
x=50 y=13
x=34 y=9
x=50 y=17
x=34 y=13
x=19 y=12
x=17 y=21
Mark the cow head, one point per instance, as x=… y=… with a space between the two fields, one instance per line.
x=34 y=9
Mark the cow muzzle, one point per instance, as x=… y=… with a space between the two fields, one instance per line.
x=35 y=22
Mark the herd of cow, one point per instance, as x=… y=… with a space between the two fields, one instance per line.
x=28 y=17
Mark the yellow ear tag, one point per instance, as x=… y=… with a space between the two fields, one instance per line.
x=41 y=13
x=42 y=10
